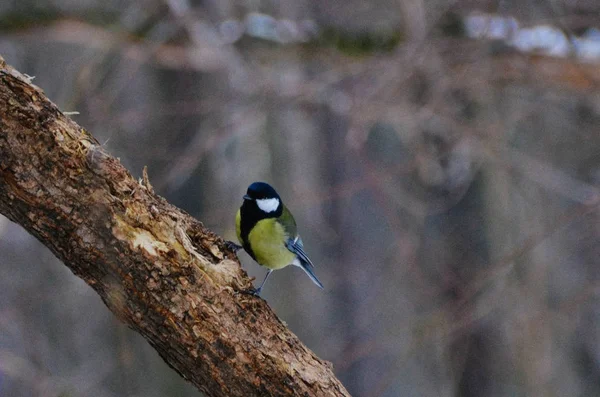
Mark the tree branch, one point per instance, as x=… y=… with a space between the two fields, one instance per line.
x=156 y=268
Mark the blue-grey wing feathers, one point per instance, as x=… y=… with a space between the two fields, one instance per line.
x=296 y=246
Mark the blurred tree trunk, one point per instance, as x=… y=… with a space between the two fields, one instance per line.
x=156 y=268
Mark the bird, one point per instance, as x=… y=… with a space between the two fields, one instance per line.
x=267 y=231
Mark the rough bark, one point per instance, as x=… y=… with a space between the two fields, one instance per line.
x=157 y=269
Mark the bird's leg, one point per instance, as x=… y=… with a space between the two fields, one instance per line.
x=233 y=247
x=259 y=289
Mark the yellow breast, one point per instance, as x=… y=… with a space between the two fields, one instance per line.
x=267 y=239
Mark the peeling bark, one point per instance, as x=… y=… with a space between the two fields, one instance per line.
x=157 y=269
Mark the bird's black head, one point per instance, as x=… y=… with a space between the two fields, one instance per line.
x=262 y=200
x=261 y=191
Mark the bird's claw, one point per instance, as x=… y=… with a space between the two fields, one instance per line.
x=233 y=247
x=252 y=291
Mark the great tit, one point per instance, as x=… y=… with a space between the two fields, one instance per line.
x=267 y=231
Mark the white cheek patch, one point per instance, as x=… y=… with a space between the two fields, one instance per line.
x=268 y=205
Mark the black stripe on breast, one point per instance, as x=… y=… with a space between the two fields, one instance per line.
x=250 y=215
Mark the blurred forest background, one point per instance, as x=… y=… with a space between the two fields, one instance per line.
x=442 y=159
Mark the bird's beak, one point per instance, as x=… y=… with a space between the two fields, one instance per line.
x=246 y=197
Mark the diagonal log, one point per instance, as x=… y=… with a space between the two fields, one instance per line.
x=157 y=269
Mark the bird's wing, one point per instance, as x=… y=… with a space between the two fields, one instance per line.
x=289 y=223
x=294 y=242
x=296 y=246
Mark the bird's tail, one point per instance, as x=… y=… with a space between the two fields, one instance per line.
x=307 y=267
x=302 y=259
